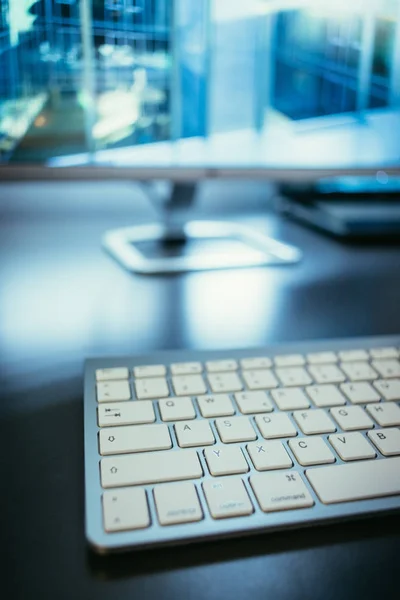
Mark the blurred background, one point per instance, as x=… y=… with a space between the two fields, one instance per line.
x=92 y=75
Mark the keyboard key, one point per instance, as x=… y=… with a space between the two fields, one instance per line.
x=359 y=371
x=387 y=368
x=314 y=421
x=225 y=460
x=134 y=438
x=151 y=467
x=225 y=382
x=326 y=373
x=150 y=371
x=389 y=390
x=351 y=417
x=227 y=498
x=258 y=362
x=125 y=413
x=186 y=368
x=386 y=440
x=289 y=360
x=359 y=393
x=352 y=446
x=112 y=374
x=321 y=358
x=267 y=456
x=325 y=395
x=386 y=414
x=280 y=491
x=148 y=389
x=353 y=355
x=125 y=510
x=219 y=405
x=218 y=366
x=237 y=429
x=177 y=503
x=276 y=425
x=194 y=433
x=290 y=398
x=260 y=379
x=293 y=376
x=253 y=402
x=113 y=391
x=176 y=409
x=188 y=385
x=359 y=481
x=386 y=352
x=311 y=451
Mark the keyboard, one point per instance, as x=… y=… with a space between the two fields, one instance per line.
x=186 y=446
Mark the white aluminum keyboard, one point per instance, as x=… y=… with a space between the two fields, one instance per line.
x=185 y=446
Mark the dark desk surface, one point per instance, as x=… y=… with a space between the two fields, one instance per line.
x=62 y=299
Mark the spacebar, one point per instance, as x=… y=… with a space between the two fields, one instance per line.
x=356 y=481
x=151 y=467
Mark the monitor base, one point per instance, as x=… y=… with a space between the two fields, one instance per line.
x=202 y=245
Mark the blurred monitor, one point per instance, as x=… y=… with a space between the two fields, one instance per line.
x=196 y=88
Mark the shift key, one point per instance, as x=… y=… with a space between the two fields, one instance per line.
x=151 y=467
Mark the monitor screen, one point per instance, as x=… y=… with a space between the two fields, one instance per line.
x=210 y=84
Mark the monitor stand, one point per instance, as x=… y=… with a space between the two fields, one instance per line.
x=178 y=245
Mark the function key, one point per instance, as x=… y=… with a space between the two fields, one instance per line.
x=215 y=366
x=150 y=371
x=353 y=355
x=112 y=373
x=258 y=362
x=289 y=360
x=186 y=368
x=320 y=358
x=125 y=510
